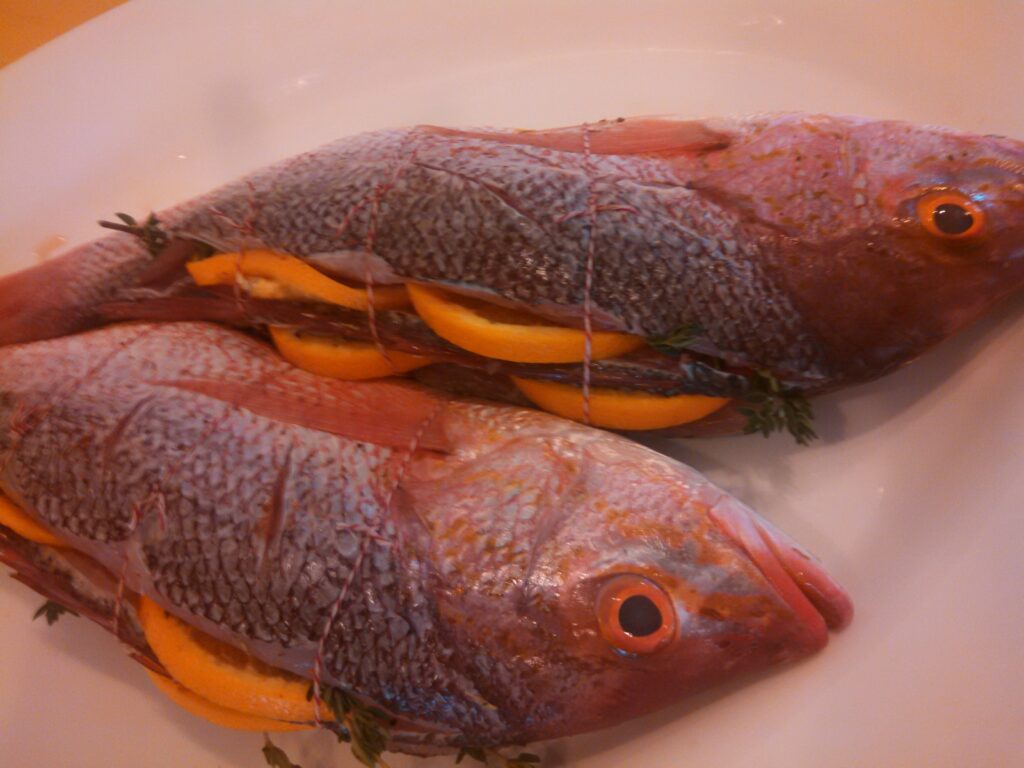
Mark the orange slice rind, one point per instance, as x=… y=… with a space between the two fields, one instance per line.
x=196 y=705
x=222 y=674
x=12 y=516
x=507 y=334
x=618 y=409
x=342 y=358
x=272 y=275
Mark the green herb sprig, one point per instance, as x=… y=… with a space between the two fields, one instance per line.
x=150 y=231
x=367 y=728
x=678 y=339
x=275 y=756
x=52 y=611
x=773 y=408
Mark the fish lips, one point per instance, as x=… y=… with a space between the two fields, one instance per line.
x=816 y=599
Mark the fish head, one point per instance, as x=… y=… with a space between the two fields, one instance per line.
x=589 y=580
x=886 y=236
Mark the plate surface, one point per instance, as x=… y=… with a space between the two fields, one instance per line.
x=912 y=497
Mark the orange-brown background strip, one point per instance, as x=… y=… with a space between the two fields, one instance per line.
x=27 y=24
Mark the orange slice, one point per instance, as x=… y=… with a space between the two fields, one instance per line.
x=342 y=358
x=507 y=334
x=619 y=409
x=216 y=714
x=221 y=673
x=280 y=276
x=23 y=525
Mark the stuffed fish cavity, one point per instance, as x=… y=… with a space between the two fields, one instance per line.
x=817 y=251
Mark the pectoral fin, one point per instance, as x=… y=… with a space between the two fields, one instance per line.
x=383 y=413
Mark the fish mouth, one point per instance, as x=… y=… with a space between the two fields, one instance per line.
x=817 y=600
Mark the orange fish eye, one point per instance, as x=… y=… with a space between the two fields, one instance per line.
x=635 y=615
x=950 y=214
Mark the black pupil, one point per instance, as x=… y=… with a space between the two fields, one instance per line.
x=952 y=219
x=639 y=616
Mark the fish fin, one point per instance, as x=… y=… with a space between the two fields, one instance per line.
x=168 y=266
x=380 y=412
x=60 y=296
x=651 y=136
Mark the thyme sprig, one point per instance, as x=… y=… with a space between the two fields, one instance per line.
x=522 y=760
x=774 y=408
x=52 y=611
x=677 y=340
x=150 y=231
x=367 y=728
x=770 y=407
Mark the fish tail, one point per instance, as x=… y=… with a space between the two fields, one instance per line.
x=61 y=296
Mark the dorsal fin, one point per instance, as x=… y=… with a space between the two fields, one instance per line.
x=651 y=136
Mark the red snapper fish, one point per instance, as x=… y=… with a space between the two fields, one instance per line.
x=704 y=275
x=471 y=574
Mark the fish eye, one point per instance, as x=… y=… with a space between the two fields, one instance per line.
x=635 y=615
x=950 y=214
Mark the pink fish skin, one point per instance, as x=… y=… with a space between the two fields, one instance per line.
x=799 y=244
x=472 y=553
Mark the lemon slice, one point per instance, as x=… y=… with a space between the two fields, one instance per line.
x=291 y=277
x=216 y=714
x=23 y=525
x=221 y=673
x=342 y=358
x=507 y=334
x=619 y=409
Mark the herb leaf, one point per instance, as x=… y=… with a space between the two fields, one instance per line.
x=773 y=408
x=275 y=756
x=368 y=728
x=677 y=340
x=150 y=232
x=52 y=611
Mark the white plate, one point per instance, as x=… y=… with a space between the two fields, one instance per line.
x=912 y=498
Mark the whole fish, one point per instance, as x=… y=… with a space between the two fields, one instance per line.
x=817 y=250
x=468 y=567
